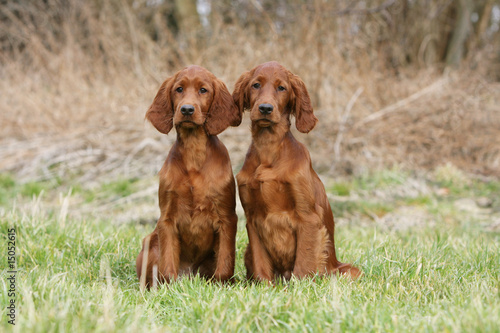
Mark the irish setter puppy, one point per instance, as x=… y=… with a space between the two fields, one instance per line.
x=289 y=220
x=197 y=227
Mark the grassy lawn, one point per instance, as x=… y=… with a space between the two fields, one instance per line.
x=77 y=274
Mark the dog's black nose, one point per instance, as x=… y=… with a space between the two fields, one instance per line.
x=187 y=109
x=266 y=108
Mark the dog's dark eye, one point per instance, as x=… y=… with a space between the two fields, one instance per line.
x=256 y=85
x=203 y=90
x=281 y=88
x=179 y=90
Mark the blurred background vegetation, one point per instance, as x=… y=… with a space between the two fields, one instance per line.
x=394 y=82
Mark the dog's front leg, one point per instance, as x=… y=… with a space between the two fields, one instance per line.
x=311 y=235
x=311 y=240
x=227 y=247
x=261 y=262
x=169 y=249
x=257 y=260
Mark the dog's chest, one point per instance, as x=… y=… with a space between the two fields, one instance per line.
x=269 y=192
x=197 y=196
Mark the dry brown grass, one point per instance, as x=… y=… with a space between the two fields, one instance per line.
x=434 y=119
x=74 y=95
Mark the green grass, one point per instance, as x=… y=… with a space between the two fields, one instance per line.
x=421 y=200
x=380 y=179
x=79 y=276
x=341 y=188
x=368 y=208
x=109 y=190
x=11 y=189
x=7 y=183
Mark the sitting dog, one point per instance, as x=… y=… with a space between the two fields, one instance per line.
x=289 y=220
x=197 y=227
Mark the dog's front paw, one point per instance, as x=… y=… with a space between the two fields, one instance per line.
x=222 y=276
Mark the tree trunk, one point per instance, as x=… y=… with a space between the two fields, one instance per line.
x=456 y=48
x=188 y=18
x=484 y=19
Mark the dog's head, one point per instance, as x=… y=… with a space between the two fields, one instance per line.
x=272 y=93
x=190 y=98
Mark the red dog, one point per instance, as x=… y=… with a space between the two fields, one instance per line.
x=197 y=227
x=289 y=220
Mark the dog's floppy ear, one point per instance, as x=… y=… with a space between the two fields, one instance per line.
x=223 y=112
x=161 y=112
x=240 y=93
x=301 y=106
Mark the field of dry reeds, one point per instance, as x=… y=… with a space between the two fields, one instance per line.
x=77 y=78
